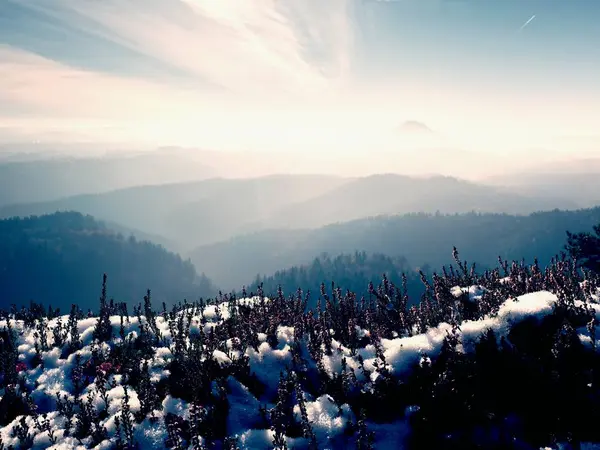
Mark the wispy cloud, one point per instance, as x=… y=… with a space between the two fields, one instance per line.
x=260 y=48
x=199 y=68
x=176 y=70
x=44 y=86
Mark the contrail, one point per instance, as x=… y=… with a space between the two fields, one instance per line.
x=528 y=22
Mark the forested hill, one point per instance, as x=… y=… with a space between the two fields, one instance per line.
x=425 y=240
x=60 y=259
x=350 y=272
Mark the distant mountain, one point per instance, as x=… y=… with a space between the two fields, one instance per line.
x=397 y=194
x=424 y=240
x=555 y=166
x=205 y=212
x=50 y=179
x=59 y=259
x=414 y=127
x=572 y=166
x=196 y=213
x=576 y=182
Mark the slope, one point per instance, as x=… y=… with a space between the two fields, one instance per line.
x=398 y=194
x=423 y=239
x=59 y=259
x=353 y=272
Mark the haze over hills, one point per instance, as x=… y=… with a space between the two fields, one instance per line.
x=204 y=212
x=50 y=179
x=576 y=179
x=413 y=148
x=94 y=169
x=425 y=241
x=396 y=194
x=194 y=213
x=584 y=188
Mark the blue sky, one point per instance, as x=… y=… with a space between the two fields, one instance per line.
x=190 y=70
x=473 y=39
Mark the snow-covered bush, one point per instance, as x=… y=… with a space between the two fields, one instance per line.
x=503 y=359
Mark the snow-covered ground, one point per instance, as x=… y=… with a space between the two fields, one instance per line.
x=328 y=419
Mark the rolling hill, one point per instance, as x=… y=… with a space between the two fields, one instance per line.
x=190 y=214
x=425 y=240
x=582 y=188
x=209 y=211
x=350 y=272
x=396 y=194
x=59 y=259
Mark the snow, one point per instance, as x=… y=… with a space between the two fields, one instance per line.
x=257 y=439
x=329 y=420
x=474 y=292
x=404 y=353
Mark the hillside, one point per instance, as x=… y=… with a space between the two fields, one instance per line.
x=424 y=240
x=190 y=214
x=59 y=259
x=349 y=272
x=397 y=194
x=142 y=236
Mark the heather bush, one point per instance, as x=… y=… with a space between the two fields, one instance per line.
x=193 y=372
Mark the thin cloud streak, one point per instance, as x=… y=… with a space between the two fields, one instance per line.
x=527 y=23
x=42 y=86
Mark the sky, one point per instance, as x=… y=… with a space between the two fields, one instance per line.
x=338 y=75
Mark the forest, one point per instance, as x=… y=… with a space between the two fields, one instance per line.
x=425 y=241
x=59 y=259
x=66 y=254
